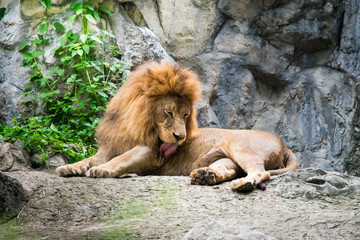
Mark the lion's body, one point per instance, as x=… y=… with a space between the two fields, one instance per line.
x=228 y=143
x=150 y=127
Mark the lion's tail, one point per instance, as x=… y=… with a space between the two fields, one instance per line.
x=291 y=164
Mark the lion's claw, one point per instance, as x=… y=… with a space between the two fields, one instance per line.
x=71 y=170
x=202 y=176
x=100 y=172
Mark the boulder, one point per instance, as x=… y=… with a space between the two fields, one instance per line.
x=13 y=158
x=212 y=229
x=12 y=197
x=185 y=28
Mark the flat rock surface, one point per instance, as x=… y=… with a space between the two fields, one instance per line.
x=304 y=204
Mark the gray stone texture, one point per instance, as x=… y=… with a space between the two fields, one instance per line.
x=286 y=67
x=304 y=204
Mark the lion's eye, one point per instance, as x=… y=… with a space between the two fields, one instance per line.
x=186 y=115
x=169 y=113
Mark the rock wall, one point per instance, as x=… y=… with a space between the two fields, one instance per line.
x=286 y=67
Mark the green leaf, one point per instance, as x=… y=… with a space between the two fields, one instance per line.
x=80 y=52
x=107 y=11
x=62 y=40
x=36 y=41
x=107 y=33
x=38 y=53
x=61 y=72
x=23 y=46
x=80 y=11
x=43 y=28
x=90 y=18
x=98 y=68
x=73 y=53
x=97 y=39
x=83 y=37
x=27 y=85
x=81 y=104
x=96 y=15
x=53 y=127
x=49 y=74
x=112 y=84
x=86 y=48
x=46 y=3
x=102 y=94
x=90 y=7
x=65 y=59
x=59 y=26
x=75 y=36
x=71 y=79
x=78 y=65
x=43 y=80
x=54 y=82
x=75 y=5
x=72 y=18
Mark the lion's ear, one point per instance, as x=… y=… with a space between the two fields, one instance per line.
x=192 y=130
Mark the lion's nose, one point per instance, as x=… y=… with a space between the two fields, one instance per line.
x=178 y=137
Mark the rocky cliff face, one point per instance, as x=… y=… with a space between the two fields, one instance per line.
x=286 y=67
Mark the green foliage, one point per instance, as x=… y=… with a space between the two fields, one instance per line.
x=73 y=93
x=2 y=13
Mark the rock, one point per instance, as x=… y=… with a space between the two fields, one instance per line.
x=345 y=56
x=185 y=28
x=14 y=32
x=137 y=44
x=294 y=205
x=13 y=158
x=12 y=197
x=211 y=229
x=56 y=161
x=317 y=28
x=252 y=81
x=34 y=9
x=316 y=183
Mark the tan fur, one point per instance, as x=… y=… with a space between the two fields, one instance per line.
x=156 y=105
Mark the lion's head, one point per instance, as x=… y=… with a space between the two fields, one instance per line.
x=155 y=107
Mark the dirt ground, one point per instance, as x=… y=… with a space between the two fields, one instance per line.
x=305 y=204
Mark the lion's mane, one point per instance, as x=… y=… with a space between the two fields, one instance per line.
x=129 y=118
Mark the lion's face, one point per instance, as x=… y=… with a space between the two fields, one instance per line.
x=171 y=116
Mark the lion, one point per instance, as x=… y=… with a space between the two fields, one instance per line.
x=150 y=128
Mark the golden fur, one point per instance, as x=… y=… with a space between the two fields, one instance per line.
x=150 y=127
x=131 y=109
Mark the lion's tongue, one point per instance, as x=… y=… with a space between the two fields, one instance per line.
x=166 y=149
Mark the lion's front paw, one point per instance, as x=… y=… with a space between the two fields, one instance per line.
x=243 y=185
x=203 y=176
x=100 y=172
x=76 y=169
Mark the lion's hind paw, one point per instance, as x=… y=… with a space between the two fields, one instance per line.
x=242 y=185
x=202 y=176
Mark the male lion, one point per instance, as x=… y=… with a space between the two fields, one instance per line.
x=150 y=127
